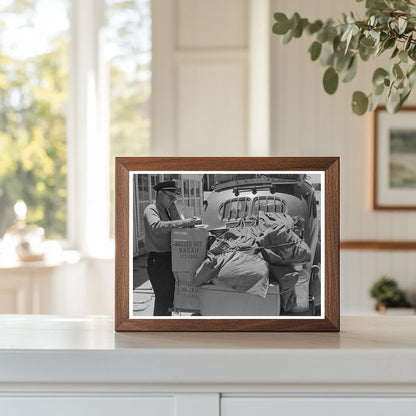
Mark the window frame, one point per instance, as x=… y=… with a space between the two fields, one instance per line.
x=87 y=132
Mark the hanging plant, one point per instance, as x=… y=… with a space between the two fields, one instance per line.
x=388 y=27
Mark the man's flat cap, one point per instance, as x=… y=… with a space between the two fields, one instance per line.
x=167 y=186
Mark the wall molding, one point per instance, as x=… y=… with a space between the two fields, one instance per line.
x=377 y=245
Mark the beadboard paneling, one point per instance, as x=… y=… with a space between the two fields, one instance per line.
x=306 y=121
x=360 y=269
x=203 y=106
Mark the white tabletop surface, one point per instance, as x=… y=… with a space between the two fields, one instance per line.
x=50 y=332
x=373 y=349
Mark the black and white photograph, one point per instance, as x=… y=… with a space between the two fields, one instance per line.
x=226 y=244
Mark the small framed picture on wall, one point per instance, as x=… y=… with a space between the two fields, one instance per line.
x=394 y=178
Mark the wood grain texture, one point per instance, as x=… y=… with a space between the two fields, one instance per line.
x=121 y=244
x=378 y=245
x=332 y=225
x=330 y=165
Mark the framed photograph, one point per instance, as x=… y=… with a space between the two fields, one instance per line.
x=394 y=180
x=227 y=244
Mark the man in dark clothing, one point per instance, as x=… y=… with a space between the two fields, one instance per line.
x=159 y=219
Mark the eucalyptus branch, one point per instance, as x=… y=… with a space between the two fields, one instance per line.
x=389 y=25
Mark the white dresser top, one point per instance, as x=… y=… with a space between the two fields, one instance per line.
x=50 y=349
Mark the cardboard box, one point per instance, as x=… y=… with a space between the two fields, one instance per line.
x=189 y=248
x=186 y=296
x=218 y=301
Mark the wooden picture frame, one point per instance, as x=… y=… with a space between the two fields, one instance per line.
x=131 y=170
x=394 y=158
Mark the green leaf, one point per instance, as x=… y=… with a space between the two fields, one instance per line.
x=410 y=78
x=322 y=36
x=412 y=70
x=355 y=41
x=404 y=95
x=332 y=33
x=315 y=50
x=393 y=101
x=340 y=61
x=314 y=27
x=378 y=89
x=365 y=53
x=389 y=43
x=330 y=80
x=367 y=42
x=397 y=71
x=376 y=4
x=374 y=101
x=348 y=34
x=412 y=52
x=395 y=53
x=337 y=42
x=327 y=53
x=408 y=42
x=379 y=75
x=403 y=56
x=400 y=5
x=294 y=20
x=402 y=24
x=359 y=103
x=288 y=37
x=281 y=27
x=351 y=71
x=298 y=30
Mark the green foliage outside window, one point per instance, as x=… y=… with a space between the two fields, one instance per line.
x=129 y=42
x=34 y=104
x=33 y=99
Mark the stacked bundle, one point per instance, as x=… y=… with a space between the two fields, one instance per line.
x=248 y=259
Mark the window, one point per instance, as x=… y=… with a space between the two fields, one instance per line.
x=33 y=112
x=75 y=87
x=128 y=47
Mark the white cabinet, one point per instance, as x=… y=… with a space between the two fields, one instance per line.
x=323 y=406
x=79 y=366
x=88 y=406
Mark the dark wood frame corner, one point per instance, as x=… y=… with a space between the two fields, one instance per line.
x=375 y=205
x=330 y=165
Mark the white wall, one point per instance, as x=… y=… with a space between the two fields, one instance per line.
x=308 y=122
x=200 y=77
x=207 y=81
